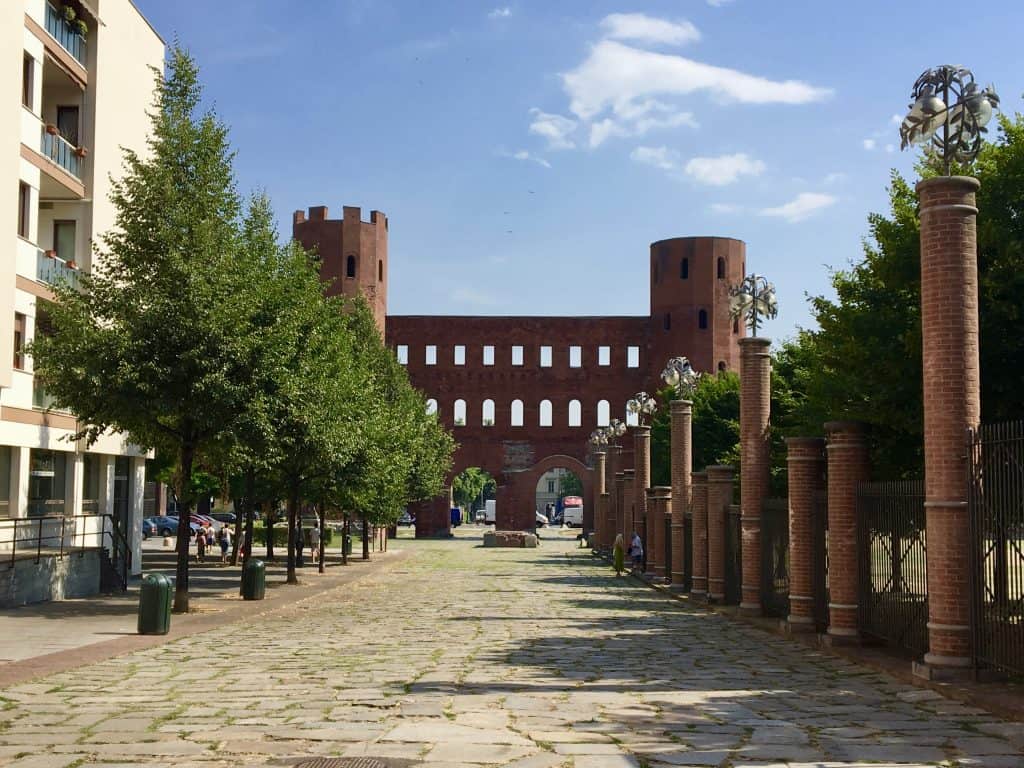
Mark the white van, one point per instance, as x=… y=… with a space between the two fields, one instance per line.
x=491 y=511
x=572 y=512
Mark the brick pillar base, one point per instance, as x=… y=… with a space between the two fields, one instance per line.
x=600 y=517
x=847 y=466
x=755 y=459
x=620 y=502
x=699 y=539
x=682 y=467
x=952 y=405
x=653 y=546
x=663 y=518
x=433 y=518
x=806 y=469
x=641 y=484
x=720 y=482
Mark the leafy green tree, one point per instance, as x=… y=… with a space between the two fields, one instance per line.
x=469 y=484
x=570 y=485
x=156 y=344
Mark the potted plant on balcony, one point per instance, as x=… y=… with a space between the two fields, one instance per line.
x=72 y=263
x=80 y=27
x=52 y=129
x=81 y=151
x=50 y=254
x=68 y=13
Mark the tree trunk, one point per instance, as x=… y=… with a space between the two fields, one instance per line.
x=345 y=533
x=250 y=518
x=250 y=482
x=185 y=498
x=366 y=537
x=323 y=531
x=293 y=504
x=271 y=517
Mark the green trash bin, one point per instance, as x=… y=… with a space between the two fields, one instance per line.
x=254 y=579
x=155 y=605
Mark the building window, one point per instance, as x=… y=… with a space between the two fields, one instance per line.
x=545 y=357
x=403 y=353
x=380 y=271
x=64 y=239
x=90 y=484
x=702 y=319
x=632 y=357
x=19 y=341
x=551 y=486
x=488 y=354
x=487 y=413
x=668 y=321
x=459 y=357
x=24 y=208
x=430 y=356
x=5 y=481
x=431 y=406
x=575 y=357
x=46 y=471
x=721 y=366
x=28 y=67
x=575 y=413
x=604 y=355
x=603 y=413
x=517 y=355
x=350 y=266
x=684 y=269
x=546 y=413
x=460 y=413
x=516 y=419
x=721 y=268
x=735 y=325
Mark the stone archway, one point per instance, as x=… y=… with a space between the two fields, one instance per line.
x=516 y=495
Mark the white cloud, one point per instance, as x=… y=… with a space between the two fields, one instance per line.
x=869 y=144
x=660 y=157
x=801 y=207
x=890 y=148
x=723 y=170
x=638 y=121
x=522 y=154
x=618 y=76
x=718 y=3
x=640 y=27
x=500 y=13
x=725 y=208
x=835 y=178
x=554 y=128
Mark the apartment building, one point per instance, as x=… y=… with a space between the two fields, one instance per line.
x=76 y=82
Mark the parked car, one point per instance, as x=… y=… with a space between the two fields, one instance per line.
x=541 y=520
x=406 y=519
x=168 y=526
x=224 y=517
x=148 y=528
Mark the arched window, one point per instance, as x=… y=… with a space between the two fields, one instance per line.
x=380 y=271
x=702 y=319
x=575 y=413
x=632 y=419
x=350 y=266
x=546 y=414
x=431 y=405
x=460 y=413
x=517 y=413
x=721 y=366
x=668 y=321
x=684 y=269
x=604 y=413
x=721 y=268
x=487 y=412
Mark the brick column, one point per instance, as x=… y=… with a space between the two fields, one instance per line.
x=653 y=544
x=805 y=458
x=682 y=467
x=699 y=540
x=662 y=497
x=847 y=466
x=641 y=482
x=720 y=480
x=755 y=409
x=600 y=519
x=620 y=504
x=628 y=505
x=610 y=468
x=952 y=404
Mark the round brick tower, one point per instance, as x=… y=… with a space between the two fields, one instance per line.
x=690 y=282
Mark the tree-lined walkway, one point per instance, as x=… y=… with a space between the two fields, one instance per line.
x=460 y=655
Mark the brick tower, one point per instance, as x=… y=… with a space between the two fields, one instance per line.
x=690 y=281
x=353 y=253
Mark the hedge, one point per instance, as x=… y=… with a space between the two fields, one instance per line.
x=259 y=535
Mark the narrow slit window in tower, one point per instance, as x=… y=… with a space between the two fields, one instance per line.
x=350 y=266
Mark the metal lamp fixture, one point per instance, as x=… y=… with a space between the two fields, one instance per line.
x=679 y=374
x=949 y=112
x=599 y=437
x=616 y=428
x=752 y=300
x=642 y=405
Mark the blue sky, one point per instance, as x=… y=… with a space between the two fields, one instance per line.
x=527 y=153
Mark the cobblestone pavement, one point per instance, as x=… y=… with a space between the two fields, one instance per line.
x=460 y=656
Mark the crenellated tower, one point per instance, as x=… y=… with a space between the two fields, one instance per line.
x=353 y=253
x=690 y=282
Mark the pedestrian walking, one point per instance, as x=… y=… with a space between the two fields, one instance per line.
x=636 y=551
x=314 y=542
x=224 y=535
x=298 y=546
x=201 y=545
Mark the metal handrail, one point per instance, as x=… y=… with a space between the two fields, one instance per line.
x=47 y=535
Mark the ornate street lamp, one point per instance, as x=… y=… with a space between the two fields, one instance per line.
x=949 y=111
x=753 y=299
x=679 y=374
x=599 y=437
x=615 y=429
x=642 y=405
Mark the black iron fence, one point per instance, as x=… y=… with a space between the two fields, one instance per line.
x=775 y=557
x=819 y=559
x=688 y=552
x=733 y=555
x=667 y=547
x=893 y=563
x=996 y=493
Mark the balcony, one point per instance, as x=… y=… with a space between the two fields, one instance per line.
x=53 y=270
x=62 y=152
x=65 y=34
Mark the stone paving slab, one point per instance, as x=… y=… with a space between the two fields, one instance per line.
x=455 y=656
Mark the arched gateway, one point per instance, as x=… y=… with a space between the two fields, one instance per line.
x=522 y=394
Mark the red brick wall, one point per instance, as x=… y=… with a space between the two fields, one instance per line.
x=699 y=505
x=682 y=466
x=755 y=410
x=806 y=469
x=847 y=467
x=720 y=481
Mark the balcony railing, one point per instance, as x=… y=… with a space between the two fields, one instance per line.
x=52 y=270
x=65 y=34
x=62 y=152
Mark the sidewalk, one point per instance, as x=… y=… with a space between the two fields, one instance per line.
x=51 y=637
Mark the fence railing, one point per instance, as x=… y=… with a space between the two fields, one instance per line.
x=819 y=560
x=996 y=493
x=59 y=535
x=688 y=552
x=53 y=269
x=733 y=555
x=892 y=548
x=61 y=151
x=775 y=557
x=63 y=33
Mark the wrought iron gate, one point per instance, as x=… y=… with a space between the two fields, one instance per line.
x=996 y=494
x=733 y=555
x=688 y=552
x=893 y=563
x=819 y=559
x=775 y=557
